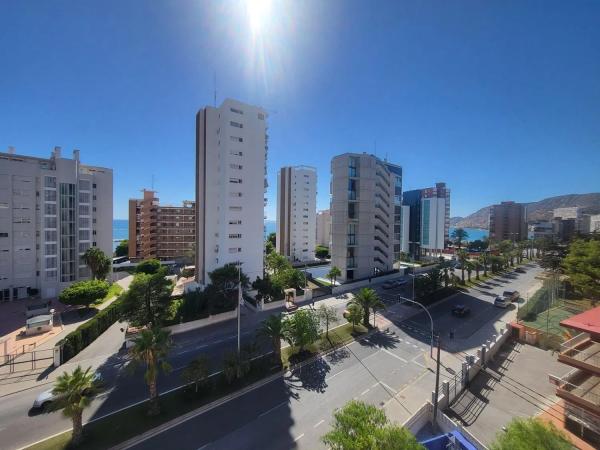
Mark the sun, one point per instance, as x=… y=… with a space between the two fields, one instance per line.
x=258 y=12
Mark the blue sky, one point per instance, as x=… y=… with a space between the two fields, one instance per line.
x=501 y=99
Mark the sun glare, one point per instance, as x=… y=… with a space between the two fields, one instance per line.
x=258 y=14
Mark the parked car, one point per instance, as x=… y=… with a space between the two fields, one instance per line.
x=461 y=311
x=501 y=302
x=400 y=282
x=389 y=285
x=512 y=296
x=45 y=399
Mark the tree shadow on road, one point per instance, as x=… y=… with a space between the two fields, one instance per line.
x=385 y=339
x=311 y=377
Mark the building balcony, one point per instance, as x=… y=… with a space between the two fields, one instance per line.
x=580 y=388
x=350 y=263
x=581 y=352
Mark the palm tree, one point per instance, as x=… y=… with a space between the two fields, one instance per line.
x=477 y=266
x=445 y=265
x=151 y=347
x=333 y=274
x=484 y=259
x=72 y=391
x=273 y=328
x=461 y=255
x=368 y=300
x=98 y=262
x=459 y=235
x=469 y=266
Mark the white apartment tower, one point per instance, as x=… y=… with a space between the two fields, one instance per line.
x=231 y=154
x=362 y=216
x=296 y=212
x=324 y=228
x=51 y=211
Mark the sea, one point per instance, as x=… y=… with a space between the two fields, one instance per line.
x=121 y=231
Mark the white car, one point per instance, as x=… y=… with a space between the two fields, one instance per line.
x=47 y=397
x=501 y=302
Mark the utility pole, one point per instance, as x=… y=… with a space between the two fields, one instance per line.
x=437 y=386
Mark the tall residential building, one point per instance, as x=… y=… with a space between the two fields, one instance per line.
x=362 y=215
x=428 y=211
x=567 y=222
x=396 y=172
x=231 y=154
x=51 y=211
x=296 y=212
x=162 y=232
x=508 y=221
x=324 y=228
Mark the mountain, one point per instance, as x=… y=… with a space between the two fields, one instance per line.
x=541 y=210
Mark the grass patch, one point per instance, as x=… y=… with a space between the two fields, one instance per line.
x=117 y=428
x=337 y=337
x=114 y=290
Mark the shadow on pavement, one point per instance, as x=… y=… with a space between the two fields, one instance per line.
x=311 y=377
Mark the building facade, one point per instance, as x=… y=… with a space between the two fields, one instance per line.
x=161 y=232
x=508 y=221
x=540 y=230
x=324 y=228
x=296 y=213
x=231 y=154
x=362 y=216
x=51 y=211
x=428 y=213
x=396 y=172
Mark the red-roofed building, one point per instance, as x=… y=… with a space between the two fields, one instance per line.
x=580 y=388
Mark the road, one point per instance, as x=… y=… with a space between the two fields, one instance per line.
x=373 y=370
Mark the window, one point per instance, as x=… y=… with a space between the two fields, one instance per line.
x=94 y=185
x=84 y=185
x=235 y=194
x=3 y=205
x=235 y=180
x=261 y=116
x=83 y=246
x=351 y=210
x=51 y=263
x=235 y=110
x=235 y=249
x=50 y=236
x=235 y=166
x=236 y=139
x=84 y=197
x=50 y=182
x=50 y=222
x=235 y=236
x=50 y=196
x=84 y=210
x=51 y=274
x=50 y=249
x=84 y=235
x=84 y=222
x=235 y=222
x=3 y=235
x=235 y=208
x=236 y=124
x=50 y=209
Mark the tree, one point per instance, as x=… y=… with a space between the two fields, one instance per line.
x=484 y=259
x=582 y=266
x=327 y=315
x=147 y=300
x=196 y=372
x=469 y=267
x=150 y=348
x=354 y=314
x=321 y=252
x=269 y=248
x=277 y=263
x=477 y=267
x=268 y=289
x=273 y=328
x=290 y=278
x=98 y=262
x=301 y=329
x=148 y=266
x=531 y=434
x=459 y=235
x=368 y=300
x=225 y=281
x=360 y=426
x=433 y=280
x=235 y=366
x=333 y=274
x=462 y=257
x=84 y=292
x=506 y=248
x=122 y=249
x=478 y=245
x=72 y=392
x=272 y=237
x=445 y=266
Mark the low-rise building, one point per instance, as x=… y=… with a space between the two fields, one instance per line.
x=580 y=388
x=163 y=232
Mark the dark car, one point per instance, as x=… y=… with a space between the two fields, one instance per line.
x=520 y=270
x=461 y=311
x=388 y=285
x=513 y=296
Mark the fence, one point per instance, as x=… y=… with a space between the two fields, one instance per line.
x=20 y=362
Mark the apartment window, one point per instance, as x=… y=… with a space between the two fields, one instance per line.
x=235 y=110
x=236 y=124
x=21 y=220
x=84 y=210
x=236 y=139
x=51 y=263
x=235 y=194
x=50 y=249
x=235 y=222
x=84 y=185
x=3 y=205
x=84 y=235
x=50 y=196
x=235 y=236
x=235 y=208
x=3 y=235
x=84 y=197
x=261 y=116
x=351 y=210
x=235 y=153
x=84 y=222
x=94 y=185
x=50 y=209
x=51 y=274
x=235 y=249
x=235 y=180
x=351 y=234
x=353 y=167
x=50 y=222
x=84 y=272
x=50 y=182
x=235 y=166
x=50 y=236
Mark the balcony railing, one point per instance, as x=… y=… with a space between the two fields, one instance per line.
x=351 y=263
x=580 y=388
x=351 y=239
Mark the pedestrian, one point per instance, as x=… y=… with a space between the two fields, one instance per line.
x=369 y=280
x=313 y=302
x=451 y=334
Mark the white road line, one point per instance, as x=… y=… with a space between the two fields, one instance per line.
x=365 y=391
x=335 y=375
x=204 y=446
x=375 y=384
x=318 y=423
x=299 y=437
x=372 y=354
x=395 y=356
x=272 y=409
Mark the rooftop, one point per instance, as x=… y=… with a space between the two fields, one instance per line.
x=588 y=321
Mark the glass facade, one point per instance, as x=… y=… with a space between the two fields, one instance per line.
x=68 y=230
x=425 y=227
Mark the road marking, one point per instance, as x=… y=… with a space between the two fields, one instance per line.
x=375 y=384
x=365 y=391
x=415 y=346
x=272 y=409
x=388 y=387
x=299 y=437
x=334 y=375
x=395 y=356
x=318 y=423
x=372 y=354
x=204 y=446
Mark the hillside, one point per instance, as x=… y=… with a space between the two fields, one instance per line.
x=541 y=210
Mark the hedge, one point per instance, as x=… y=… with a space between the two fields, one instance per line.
x=88 y=332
